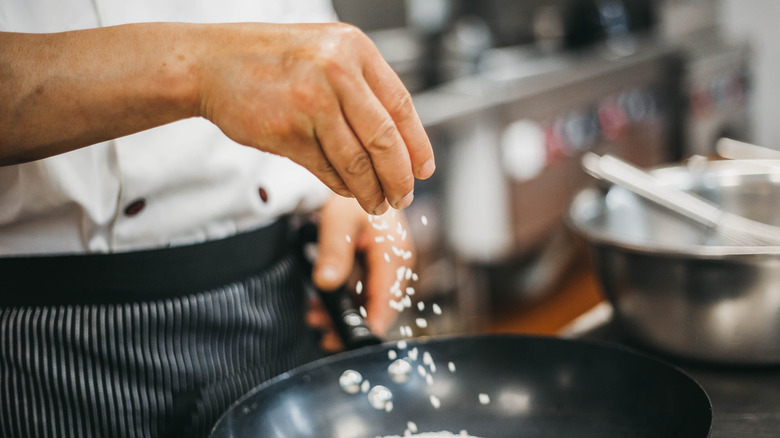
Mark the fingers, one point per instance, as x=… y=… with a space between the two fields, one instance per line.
x=353 y=163
x=381 y=139
x=336 y=253
x=384 y=123
x=318 y=319
x=383 y=261
x=314 y=159
x=342 y=217
x=337 y=108
x=381 y=276
x=395 y=98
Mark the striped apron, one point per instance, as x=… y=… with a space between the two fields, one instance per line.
x=147 y=344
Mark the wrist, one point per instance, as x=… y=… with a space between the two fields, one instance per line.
x=180 y=69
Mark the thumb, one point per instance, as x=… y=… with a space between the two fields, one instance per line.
x=336 y=249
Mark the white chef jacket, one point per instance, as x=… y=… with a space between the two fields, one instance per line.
x=177 y=184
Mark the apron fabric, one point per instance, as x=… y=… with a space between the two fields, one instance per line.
x=166 y=367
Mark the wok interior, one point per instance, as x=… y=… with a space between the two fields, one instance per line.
x=538 y=387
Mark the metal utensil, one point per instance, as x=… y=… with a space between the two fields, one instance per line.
x=731 y=227
x=740 y=150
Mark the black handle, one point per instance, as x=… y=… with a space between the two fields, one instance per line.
x=349 y=323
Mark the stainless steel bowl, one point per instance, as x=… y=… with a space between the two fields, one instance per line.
x=678 y=287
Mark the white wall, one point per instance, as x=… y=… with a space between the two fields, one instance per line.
x=759 y=22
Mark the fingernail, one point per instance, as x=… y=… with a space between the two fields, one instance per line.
x=405 y=201
x=427 y=169
x=381 y=209
x=327 y=274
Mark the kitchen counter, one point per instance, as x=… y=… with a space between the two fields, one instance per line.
x=746 y=400
x=575 y=294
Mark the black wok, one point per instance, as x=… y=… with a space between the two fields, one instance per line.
x=538 y=387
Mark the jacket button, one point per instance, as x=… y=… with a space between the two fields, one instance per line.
x=263 y=194
x=135 y=207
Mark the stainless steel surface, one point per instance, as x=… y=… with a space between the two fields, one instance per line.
x=732 y=228
x=681 y=18
x=674 y=286
x=508 y=143
x=739 y=150
x=716 y=90
x=487 y=129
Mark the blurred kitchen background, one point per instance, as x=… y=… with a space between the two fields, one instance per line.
x=512 y=92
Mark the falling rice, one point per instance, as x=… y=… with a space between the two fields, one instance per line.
x=380 y=397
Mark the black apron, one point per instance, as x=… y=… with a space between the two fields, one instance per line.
x=147 y=344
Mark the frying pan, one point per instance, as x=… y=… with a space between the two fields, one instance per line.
x=537 y=387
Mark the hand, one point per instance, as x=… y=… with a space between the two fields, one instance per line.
x=342 y=217
x=321 y=95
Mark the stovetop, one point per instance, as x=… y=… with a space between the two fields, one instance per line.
x=745 y=400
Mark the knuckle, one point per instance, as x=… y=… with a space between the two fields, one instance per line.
x=335 y=69
x=341 y=44
x=306 y=93
x=384 y=138
x=281 y=128
x=330 y=176
x=349 y=33
x=405 y=183
x=401 y=103
x=359 y=164
x=323 y=167
x=325 y=56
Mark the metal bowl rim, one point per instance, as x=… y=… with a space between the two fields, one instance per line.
x=708 y=252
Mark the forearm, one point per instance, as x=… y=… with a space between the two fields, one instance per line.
x=59 y=92
x=319 y=94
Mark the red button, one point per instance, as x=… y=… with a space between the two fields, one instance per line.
x=613 y=120
x=135 y=207
x=263 y=194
